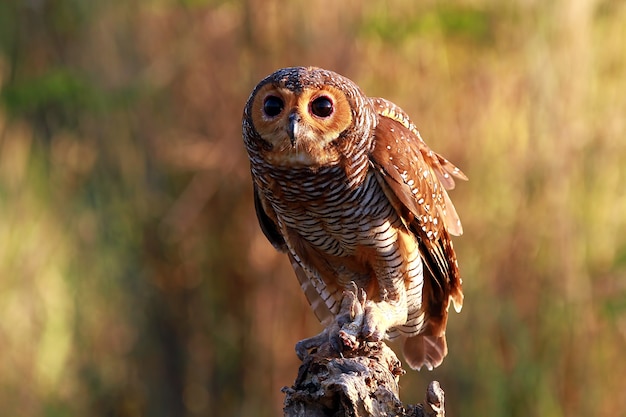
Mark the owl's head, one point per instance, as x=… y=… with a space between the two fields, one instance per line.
x=300 y=116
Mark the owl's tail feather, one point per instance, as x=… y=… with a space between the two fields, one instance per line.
x=424 y=350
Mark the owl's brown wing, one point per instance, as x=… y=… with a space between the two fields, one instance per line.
x=267 y=223
x=443 y=169
x=416 y=178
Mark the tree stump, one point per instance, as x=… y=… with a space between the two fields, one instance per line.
x=362 y=382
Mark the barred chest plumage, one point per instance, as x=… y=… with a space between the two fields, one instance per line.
x=329 y=213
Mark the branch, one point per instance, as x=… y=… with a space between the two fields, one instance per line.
x=362 y=383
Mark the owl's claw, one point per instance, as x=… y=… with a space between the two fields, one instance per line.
x=372 y=329
x=353 y=308
x=351 y=326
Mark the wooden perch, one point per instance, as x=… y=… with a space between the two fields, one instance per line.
x=363 y=382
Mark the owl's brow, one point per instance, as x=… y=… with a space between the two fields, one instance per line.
x=296 y=79
x=291 y=79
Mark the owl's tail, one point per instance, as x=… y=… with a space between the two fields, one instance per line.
x=424 y=350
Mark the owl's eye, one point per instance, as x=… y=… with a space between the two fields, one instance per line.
x=322 y=107
x=273 y=106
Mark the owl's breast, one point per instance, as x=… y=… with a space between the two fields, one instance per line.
x=333 y=216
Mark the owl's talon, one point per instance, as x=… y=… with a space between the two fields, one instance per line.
x=349 y=341
x=373 y=330
x=343 y=319
x=353 y=308
x=362 y=296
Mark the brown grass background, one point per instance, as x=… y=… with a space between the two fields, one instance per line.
x=134 y=280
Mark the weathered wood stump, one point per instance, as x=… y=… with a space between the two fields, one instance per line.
x=363 y=382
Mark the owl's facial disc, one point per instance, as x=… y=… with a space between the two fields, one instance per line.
x=301 y=125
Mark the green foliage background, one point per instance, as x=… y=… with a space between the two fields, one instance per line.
x=134 y=280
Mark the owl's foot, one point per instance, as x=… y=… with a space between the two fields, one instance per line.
x=367 y=320
x=354 y=324
x=376 y=320
x=350 y=320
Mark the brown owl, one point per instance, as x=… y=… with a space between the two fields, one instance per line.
x=345 y=185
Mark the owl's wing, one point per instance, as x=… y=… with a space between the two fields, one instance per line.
x=440 y=166
x=267 y=223
x=415 y=179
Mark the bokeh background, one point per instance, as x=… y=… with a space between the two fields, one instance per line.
x=134 y=280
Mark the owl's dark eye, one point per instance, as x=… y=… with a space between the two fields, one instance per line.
x=322 y=107
x=273 y=106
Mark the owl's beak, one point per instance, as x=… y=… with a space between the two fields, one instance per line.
x=294 y=126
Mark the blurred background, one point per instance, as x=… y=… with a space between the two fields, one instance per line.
x=135 y=281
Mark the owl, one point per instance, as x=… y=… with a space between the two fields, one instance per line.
x=347 y=188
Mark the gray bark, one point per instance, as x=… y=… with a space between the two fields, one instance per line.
x=363 y=382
